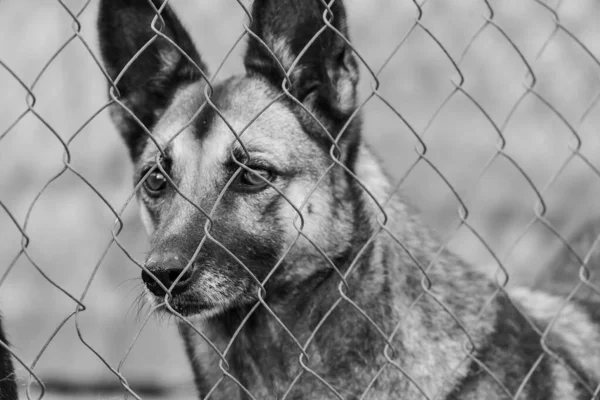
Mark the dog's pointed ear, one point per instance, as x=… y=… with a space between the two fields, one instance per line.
x=149 y=82
x=326 y=74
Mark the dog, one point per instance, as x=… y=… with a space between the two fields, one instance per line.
x=277 y=240
x=8 y=385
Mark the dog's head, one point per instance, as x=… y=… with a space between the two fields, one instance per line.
x=229 y=172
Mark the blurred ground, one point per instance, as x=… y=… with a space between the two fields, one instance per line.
x=69 y=226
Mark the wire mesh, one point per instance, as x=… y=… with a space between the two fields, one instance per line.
x=567 y=39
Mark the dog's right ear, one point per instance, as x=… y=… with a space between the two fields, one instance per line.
x=149 y=82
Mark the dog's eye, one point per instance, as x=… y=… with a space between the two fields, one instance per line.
x=253 y=181
x=156 y=182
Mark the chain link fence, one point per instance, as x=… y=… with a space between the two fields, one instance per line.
x=484 y=112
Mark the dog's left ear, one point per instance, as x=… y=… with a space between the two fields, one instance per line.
x=324 y=77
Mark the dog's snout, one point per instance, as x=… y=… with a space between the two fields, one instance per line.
x=167 y=268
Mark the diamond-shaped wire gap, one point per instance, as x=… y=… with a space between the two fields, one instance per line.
x=489 y=372
x=75 y=16
x=444 y=57
x=122 y=379
x=564 y=271
x=584 y=273
x=510 y=58
x=456 y=23
x=21 y=115
x=115 y=371
x=569 y=86
x=595 y=287
x=24 y=242
x=223 y=365
x=574 y=37
x=41 y=352
x=547 y=351
x=528 y=376
x=24 y=238
x=80 y=37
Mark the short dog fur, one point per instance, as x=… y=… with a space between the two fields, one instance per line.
x=285 y=167
x=8 y=385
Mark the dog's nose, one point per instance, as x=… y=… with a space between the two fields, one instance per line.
x=167 y=267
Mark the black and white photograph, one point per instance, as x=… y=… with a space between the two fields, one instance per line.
x=299 y=199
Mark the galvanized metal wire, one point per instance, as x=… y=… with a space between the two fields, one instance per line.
x=463 y=197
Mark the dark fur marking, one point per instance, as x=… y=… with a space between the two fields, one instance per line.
x=592 y=308
x=513 y=343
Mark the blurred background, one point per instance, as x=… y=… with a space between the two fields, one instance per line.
x=551 y=149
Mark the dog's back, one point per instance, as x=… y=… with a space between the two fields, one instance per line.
x=541 y=348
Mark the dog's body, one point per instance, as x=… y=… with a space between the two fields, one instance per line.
x=275 y=251
x=563 y=272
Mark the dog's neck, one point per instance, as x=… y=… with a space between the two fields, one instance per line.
x=388 y=300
